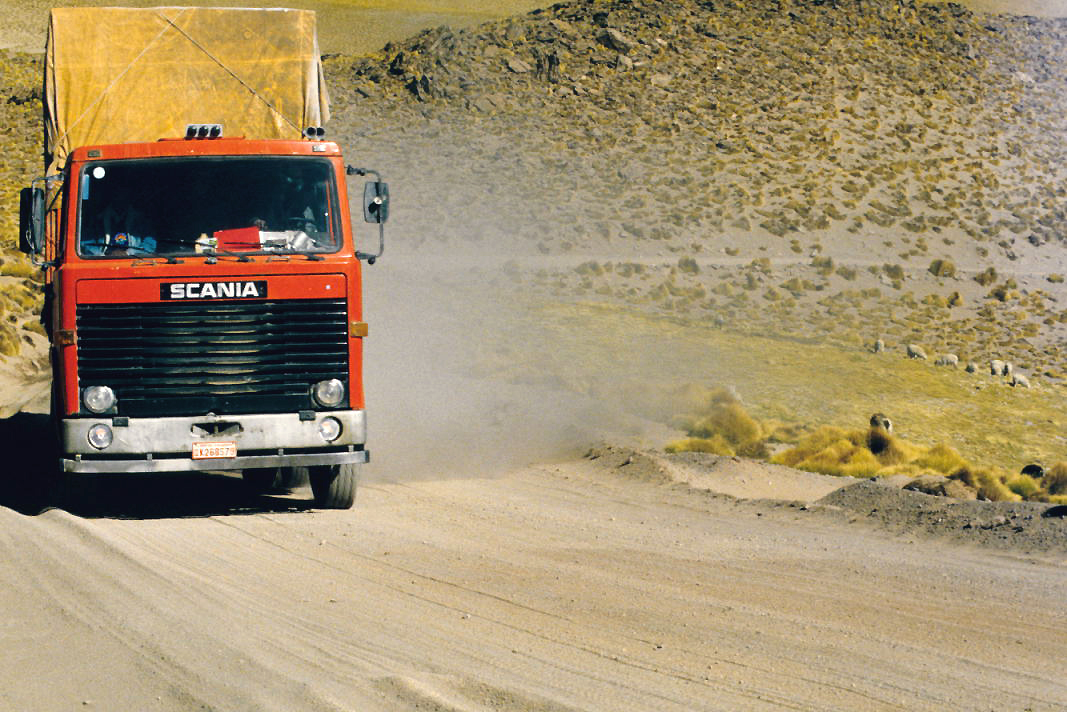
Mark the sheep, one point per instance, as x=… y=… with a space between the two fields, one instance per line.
x=996 y=366
x=915 y=351
x=948 y=360
x=879 y=346
x=1007 y=370
x=879 y=420
x=972 y=367
x=1018 y=379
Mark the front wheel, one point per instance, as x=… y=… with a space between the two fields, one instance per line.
x=264 y=480
x=334 y=486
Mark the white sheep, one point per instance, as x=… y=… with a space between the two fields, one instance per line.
x=996 y=367
x=915 y=351
x=1018 y=379
x=948 y=360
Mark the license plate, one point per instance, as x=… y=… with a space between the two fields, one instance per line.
x=214 y=451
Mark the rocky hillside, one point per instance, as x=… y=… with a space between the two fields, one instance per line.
x=843 y=169
x=783 y=117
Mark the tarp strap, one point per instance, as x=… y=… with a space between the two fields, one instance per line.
x=219 y=62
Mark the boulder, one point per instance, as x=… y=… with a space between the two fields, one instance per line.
x=617 y=41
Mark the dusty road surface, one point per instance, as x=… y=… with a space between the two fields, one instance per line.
x=579 y=585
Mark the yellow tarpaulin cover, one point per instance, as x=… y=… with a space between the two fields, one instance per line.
x=116 y=75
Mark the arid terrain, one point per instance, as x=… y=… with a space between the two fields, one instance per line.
x=613 y=223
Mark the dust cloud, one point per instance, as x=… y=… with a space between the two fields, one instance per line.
x=432 y=411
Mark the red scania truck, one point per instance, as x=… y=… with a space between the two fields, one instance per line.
x=203 y=289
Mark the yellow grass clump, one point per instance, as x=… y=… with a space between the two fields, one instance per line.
x=878 y=453
x=717 y=422
x=716 y=445
x=1055 y=479
x=941 y=458
x=988 y=482
x=1026 y=487
x=942 y=268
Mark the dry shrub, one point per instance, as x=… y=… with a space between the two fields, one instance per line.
x=9 y=341
x=731 y=421
x=19 y=267
x=895 y=272
x=1026 y=487
x=943 y=268
x=941 y=458
x=889 y=449
x=1055 y=479
x=756 y=449
x=716 y=419
x=716 y=445
x=832 y=451
x=688 y=265
x=844 y=458
x=819 y=440
x=988 y=482
x=987 y=277
x=867 y=453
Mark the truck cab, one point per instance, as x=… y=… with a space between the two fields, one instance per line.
x=205 y=310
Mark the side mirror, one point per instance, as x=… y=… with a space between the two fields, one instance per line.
x=31 y=220
x=375 y=208
x=376 y=202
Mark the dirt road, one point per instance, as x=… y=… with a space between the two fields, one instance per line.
x=570 y=586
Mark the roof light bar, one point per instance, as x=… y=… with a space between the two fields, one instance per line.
x=203 y=131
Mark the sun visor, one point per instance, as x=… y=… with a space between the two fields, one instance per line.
x=119 y=75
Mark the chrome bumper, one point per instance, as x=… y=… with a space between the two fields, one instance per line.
x=165 y=444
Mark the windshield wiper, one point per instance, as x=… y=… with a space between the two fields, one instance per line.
x=213 y=253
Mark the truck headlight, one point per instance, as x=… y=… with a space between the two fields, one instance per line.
x=100 y=436
x=328 y=394
x=98 y=399
x=330 y=429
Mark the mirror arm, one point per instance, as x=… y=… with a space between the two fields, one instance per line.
x=372 y=258
x=353 y=171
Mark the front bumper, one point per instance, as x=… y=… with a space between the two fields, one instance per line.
x=166 y=444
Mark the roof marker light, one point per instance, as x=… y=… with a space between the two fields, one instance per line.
x=203 y=131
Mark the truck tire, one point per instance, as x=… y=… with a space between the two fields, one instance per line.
x=292 y=477
x=275 y=479
x=334 y=486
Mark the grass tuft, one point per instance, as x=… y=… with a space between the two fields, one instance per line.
x=1027 y=487
x=1055 y=479
x=716 y=445
x=943 y=268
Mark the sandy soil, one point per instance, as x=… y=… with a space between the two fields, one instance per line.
x=579 y=585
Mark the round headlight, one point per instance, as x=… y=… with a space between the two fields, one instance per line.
x=100 y=436
x=330 y=429
x=98 y=399
x=328 y=394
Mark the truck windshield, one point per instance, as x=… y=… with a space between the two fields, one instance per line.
x=207 y=205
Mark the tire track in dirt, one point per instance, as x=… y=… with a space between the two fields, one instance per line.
x=549 y=589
